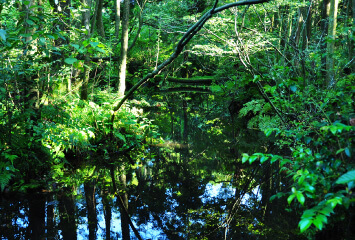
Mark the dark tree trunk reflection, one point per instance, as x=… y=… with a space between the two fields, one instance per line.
x=124 y=219
x=67 y=216
x=89 y=188
x=36 y=216
x=107 y=212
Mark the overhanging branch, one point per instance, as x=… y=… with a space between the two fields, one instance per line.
x=181 y=44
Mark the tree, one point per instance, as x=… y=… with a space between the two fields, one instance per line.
x=333 y=14
x=124 y=49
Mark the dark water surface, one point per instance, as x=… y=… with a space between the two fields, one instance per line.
x=64 y=216
x=192 y=187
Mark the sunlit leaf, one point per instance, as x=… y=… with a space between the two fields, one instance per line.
x=252 y=158
x=245 y=157
x=3 y=34
x=70 y=60
x=263 y=159
x=268 y=131
x=94 y=44
x=300 y=197
x=339 y=151
x=290 y=198
x=304 y=224
x=347 y=177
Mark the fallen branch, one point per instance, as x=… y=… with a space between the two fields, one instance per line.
x=186 y=89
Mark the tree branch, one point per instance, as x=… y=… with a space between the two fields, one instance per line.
x=181 y=44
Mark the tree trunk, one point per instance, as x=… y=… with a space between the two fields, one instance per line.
x=124 y=48
x=124 y=219
x=89 y=188
x=352 y=41
x=107 y=212
x=324 y=30
x=117 y=17
x=331 y=41
x=86 y=24
x=99 y=22
x=67 y=223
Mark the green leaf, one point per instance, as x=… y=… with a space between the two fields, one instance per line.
x=256 y=78
x=268 y=131
x=30 y=22
x=301 y=198
x=94 y=44
x=309 y=188
x=245 y=157
x=333 y=129
x=76 y=46
x=327 y=210
x=290 y=198
x=70 y=60
x=252 y=158
x=308 y=213
x=346 y=178
x=293 y=88
x=304 y=224
x=3 y=35
x=263 y=159
x=275 y=158
x=318 y=222
x=339 y=151
x=301 y=179
x=347 y=152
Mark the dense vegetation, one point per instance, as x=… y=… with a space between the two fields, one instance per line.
x=254 y=94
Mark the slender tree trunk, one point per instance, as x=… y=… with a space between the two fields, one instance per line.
x=352 y=41
x=107 y=212
x=97 y=22
x=324 y=30
x=124 y=220
x=117 y=17
x=89 y=188
x=94 y=18
x=331 y=41
x=86 y=24
x=124 y=48
x=67 y=222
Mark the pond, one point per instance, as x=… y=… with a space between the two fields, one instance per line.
x=192 y=186
x=65 y=216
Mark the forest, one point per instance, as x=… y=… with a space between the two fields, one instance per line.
x=177 y=119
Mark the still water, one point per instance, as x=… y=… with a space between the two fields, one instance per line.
x=194 y=188
x=58 y=216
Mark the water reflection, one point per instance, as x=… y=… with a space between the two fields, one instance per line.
x=67 y=216
x=193 y=187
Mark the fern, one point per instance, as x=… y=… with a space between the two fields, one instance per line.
x=260 y=121
x=254 y=106
x=6 y=173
